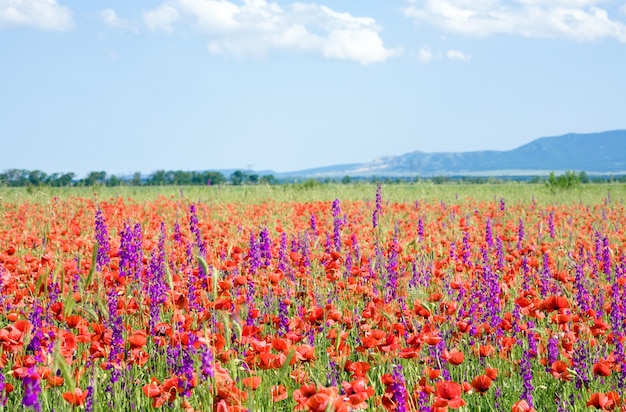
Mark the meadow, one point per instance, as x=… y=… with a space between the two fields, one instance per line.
x=420 y=297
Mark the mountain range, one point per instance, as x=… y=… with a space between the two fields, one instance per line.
x=601 y=153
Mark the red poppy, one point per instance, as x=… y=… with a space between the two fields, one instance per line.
x=522 y=406
x=604 y=401
x=601 y=368
x=76 y=398
x=481 y=383
x=448 y=393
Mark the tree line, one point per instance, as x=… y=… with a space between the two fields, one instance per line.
x=37 y=178
x=29 y=178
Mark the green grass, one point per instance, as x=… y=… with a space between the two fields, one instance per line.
x=513 y=192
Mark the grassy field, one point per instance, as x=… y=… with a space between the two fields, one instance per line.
x=422 y=297
x=454 y=193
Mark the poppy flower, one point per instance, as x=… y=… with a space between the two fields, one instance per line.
x=454 y=357
x=448 y=393
x=76 y=398
x=481 y=383
x=604 y=401
x=251 y=382
x=492 y=373
x=601 y=368
x=279 y=393
x=522 y=406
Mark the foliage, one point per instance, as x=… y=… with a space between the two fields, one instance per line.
x=566 y=181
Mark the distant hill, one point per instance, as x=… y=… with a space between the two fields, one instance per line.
x=594 y=153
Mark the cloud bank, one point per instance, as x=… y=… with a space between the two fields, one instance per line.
x=579 y=20
x=36 y=14
x=255 y=27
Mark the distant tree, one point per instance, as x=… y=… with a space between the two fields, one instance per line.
x=16 y=177
x=268 y=180
x=36 y=177
x=136 y=180
x=114 y=181
x=568 y=180
x=182 y=178
x=238 y=177
x=66 y=179
x=95 y=178
x=346 y=180
x=213 y=178
x=157 y=178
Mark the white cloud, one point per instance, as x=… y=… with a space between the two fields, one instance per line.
x=37 y=14
x=456 y=55
x=109 y=17
x=161 y=18
x=580 y=20
x=425 y=55
x=254 y=27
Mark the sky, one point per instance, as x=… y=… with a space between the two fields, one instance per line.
x=145 y=85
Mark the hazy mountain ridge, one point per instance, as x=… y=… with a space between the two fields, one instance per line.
x=594 y=153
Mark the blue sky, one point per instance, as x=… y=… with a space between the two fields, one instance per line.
x=125 y=86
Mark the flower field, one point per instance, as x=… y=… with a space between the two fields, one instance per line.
x=312 y=305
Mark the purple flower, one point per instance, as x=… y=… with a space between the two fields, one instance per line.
x=527 y=377
x=488 y=234
x=398 y=387
x=32 y=388
x=337 y=224
x=553 y=352
x=520 y=234
x=102 y=237
x=379 y=205
x=195 y=229
x=3 y=397
x=207 y=363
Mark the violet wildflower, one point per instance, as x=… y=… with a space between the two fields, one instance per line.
x=499 y=254
x=313 y=224
x=546 y=276
x=582 y=295
x=527 y=378
x=497 y=395
x=332 y=377
x=399 y=392
x=283 y=263
x=620 y=359
x=337 y=224
x=551 y=225
x=3 y=397
x=392 y=269
x=32 y=388
x=37 y=336
x=254 y=254
x=379 y=205
x=502 y=204
x=156 y=285
x=89 y=399
x=420 y=228
x=283 y=316
x=579 y=363
x=102 y=238
x=553 y=351
x=117 y=340
x=520 y=234
x=265 y=246
x=207 y=369
x=606 y=256
x=488 y=234
x=195 y=229
x=131 y=254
